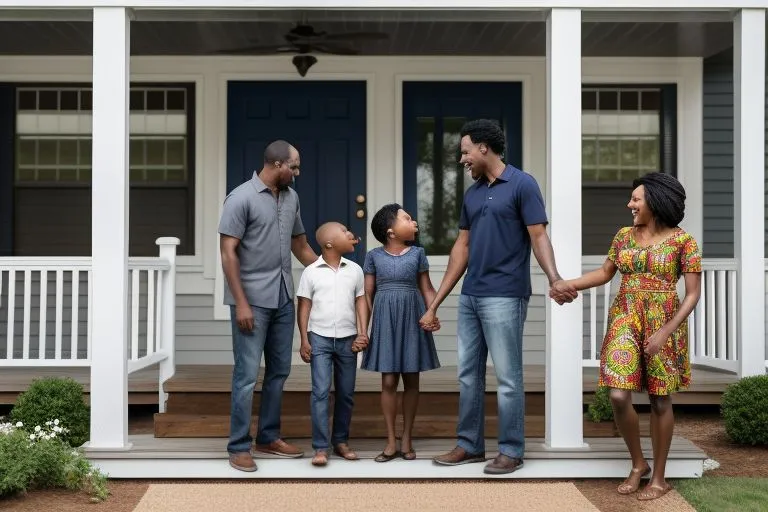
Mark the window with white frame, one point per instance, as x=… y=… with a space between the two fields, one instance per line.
x=52 y=167
x=627 y=131
x=621 y=134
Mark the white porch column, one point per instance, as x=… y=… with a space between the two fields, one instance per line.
x=109 y=372
x=564 y=428
x=749 y=185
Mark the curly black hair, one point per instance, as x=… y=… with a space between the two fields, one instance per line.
x=485 y=131
x=665 y=197
x=383 y=220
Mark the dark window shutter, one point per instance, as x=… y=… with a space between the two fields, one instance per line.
x=669 y=129
x=7 y=129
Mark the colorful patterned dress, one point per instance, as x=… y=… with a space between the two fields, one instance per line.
x=646 y=300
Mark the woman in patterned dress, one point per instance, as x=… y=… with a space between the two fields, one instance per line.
x=646 y=340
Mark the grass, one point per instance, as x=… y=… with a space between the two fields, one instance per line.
x=725 y=494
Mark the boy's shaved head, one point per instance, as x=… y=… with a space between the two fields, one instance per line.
x=322 y=235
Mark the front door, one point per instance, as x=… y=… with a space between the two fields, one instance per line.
x=325 y=121
x=433 y=181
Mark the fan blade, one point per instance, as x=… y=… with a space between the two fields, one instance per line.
x=333 y=49
x=358 y=36
x=260 y=50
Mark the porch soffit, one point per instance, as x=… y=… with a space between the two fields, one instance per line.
x=514 y=33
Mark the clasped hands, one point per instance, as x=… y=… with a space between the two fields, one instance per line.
x=359 y=344
x=429 y=322
x=562 y=292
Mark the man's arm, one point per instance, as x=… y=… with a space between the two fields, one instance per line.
x=545 y=255
x=457 y=265
x=302 y=250
x=231 y=266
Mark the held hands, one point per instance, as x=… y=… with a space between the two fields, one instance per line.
x=429 y=322
x=360 y=343
x=562 y=292
x=244 y=317
x=305 y=351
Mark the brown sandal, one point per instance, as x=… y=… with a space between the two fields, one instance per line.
x=651 y=492
x=626 y=487
x=343 y=451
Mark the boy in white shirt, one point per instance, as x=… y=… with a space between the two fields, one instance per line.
x=332 y=319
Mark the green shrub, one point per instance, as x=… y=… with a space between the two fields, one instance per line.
x=600 y=409
x=744 y=408
x=38 y=458
x=55 y=398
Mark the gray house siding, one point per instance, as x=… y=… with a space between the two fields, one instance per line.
x=718 y=156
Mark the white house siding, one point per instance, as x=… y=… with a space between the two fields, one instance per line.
x=203 y=330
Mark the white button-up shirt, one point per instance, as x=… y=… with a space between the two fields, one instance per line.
x=333 y=293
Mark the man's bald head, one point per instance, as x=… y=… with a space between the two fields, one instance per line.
x=277 y=151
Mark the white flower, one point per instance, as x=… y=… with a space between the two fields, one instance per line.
x=32 y=437
x=55 y=422
x=37 y=428
x=53 y=434
x=19 y=425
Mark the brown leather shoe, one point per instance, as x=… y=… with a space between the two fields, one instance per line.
x=458 y=456
x=280 y=448
x=502 y=465
x=242 y=461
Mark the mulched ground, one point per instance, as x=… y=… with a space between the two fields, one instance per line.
x=703 y=428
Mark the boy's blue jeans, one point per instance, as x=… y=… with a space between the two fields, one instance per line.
x=332 y=358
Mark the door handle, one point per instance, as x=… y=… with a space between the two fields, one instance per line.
x=360 y=213
x=360 y=199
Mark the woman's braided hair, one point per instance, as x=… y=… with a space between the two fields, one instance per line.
x=665 y=197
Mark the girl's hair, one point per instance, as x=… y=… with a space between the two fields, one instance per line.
x=383 y=221
x=665 y=197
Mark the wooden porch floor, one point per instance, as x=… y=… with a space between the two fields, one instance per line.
x=150 y=457
x=706 y=388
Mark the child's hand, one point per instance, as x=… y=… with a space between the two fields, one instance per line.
x=428 y=320
x=434 y=326
x=360 y=343
x=305 y=351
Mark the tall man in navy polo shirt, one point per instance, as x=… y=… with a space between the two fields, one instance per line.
x=502 y=219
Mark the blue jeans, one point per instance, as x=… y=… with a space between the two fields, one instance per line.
x=272 y=335
x=495 y=325
x=332 y=358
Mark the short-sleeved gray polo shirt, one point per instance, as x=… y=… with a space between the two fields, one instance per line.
x=264 y=227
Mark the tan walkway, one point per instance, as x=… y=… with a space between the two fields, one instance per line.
x=306 y=497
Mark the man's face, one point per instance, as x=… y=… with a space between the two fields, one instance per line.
x=473 y=157
x=288 y=170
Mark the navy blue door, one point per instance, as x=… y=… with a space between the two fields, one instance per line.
x=325 y=121
x=433 y=181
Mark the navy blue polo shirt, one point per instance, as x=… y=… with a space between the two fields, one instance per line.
x=497 y=216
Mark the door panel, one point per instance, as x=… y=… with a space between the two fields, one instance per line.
x=325 y=121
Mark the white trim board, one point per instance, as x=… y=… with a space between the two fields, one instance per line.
x=301 y=469
x=683 y=5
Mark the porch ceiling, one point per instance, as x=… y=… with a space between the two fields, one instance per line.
x=498 y=33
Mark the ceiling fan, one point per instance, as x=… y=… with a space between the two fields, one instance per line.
x=304 y=40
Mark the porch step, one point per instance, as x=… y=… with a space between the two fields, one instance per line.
x=298 y=402
x=363 y=426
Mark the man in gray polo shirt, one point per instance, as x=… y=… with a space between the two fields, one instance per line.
x=260 y=227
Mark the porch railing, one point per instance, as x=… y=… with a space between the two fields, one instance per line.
x=712 y=328
x=46 y=307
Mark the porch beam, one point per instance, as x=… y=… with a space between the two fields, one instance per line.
x=321 y=5
x=749 y=186
x=109 y=369
x=564 y=323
